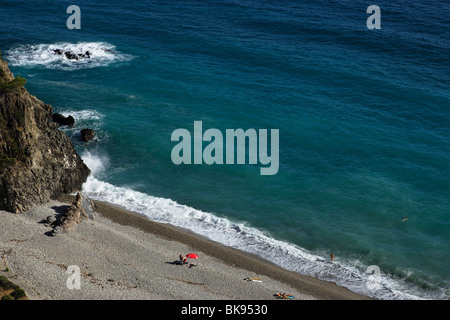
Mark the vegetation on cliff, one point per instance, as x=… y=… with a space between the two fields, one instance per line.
x=10 y=291
x=17 y=83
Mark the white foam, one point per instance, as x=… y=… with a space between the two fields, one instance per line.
x=82 y=115
x=88 y=118
x=101 y=54
x=240 y=235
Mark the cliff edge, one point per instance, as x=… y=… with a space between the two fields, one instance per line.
x=38 y=162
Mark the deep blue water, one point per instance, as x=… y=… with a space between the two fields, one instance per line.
x=363 y=117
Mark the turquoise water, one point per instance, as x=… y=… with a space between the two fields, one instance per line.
x=363 y=119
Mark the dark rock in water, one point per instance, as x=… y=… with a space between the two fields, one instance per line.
x=71 y=55
x=38 y=161
x=87 y=134
x=63 y=121
x=87 y=54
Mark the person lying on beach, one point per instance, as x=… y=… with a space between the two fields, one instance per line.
x=284 y=296
x=183 y=259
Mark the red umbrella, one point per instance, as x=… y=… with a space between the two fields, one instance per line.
x=192 y=256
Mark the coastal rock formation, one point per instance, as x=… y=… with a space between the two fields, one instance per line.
x=38 y=162
x=81 y=209
x=87 y=134
x=71 y=55
x=63 y=121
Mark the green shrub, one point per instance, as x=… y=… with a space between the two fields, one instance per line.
x=18 y=82
x=5 y=284
x=18 y=293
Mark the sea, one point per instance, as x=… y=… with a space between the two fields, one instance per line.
x=363 y=118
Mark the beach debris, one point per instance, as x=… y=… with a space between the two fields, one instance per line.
x=254 y=279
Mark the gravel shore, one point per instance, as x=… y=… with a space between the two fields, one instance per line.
x=121 y=255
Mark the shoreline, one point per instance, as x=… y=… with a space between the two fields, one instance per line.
x=319 y=289
x=124 y=255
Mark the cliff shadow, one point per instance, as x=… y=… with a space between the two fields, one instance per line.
x=60 y=210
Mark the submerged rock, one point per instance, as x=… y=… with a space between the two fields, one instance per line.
x=72 y=55
x=87 y=134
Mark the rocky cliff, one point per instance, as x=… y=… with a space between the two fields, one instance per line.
x=38 y=162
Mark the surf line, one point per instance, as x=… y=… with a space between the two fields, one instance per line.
x=235 y=140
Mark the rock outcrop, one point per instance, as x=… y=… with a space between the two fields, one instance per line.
x=87 y=134
x=81 y=209
x=72 y=55
x=38 y=162
x=62 y=120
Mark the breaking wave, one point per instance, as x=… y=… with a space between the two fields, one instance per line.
x=47 y=55
x=88 y=118
x=238 y=234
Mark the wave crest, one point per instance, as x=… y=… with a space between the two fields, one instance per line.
x=100 y=54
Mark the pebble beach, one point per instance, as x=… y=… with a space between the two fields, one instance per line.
x=122 y=255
